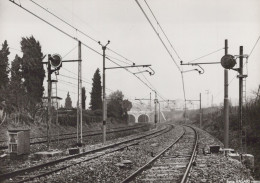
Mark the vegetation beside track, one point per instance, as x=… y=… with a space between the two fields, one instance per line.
x=213 y=123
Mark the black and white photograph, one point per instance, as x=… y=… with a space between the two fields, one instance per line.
x=118 y=91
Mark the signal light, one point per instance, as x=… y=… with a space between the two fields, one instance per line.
x=56 y=61
x=228 y=61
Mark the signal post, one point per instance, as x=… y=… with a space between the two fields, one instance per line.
x=55 y=61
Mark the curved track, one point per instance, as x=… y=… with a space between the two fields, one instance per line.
x=51 y=167
x=173 y=164
x=67 y=136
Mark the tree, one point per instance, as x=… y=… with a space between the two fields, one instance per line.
x=33 y=74
x=16 y=84
x=4 y=52
x=4 y=80
x=68 y=102
x=117 y=107
x=127 y=105
x=83 y=93
x=95 y=95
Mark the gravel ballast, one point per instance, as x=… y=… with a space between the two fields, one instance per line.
x=216 y=167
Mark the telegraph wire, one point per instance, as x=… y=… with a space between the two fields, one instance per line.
x=13 y=1
x=76 y=29
x=120 y=55
x=119 y=60
x=76 y=39
x=254 y=47
x=70 y=51
x=64 y=21
x=135 y=76
x=247 y=57
x=206 y=55
x=75 y=78
x=74 y=85
x=67 y=91
x=82 y=81
x=67 y=34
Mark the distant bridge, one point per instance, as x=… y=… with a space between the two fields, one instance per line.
x=141 y=116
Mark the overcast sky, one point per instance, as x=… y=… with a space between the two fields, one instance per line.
x=195 y=28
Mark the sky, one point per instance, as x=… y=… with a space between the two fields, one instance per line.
x=194 y=28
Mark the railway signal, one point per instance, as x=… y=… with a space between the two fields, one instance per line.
x=54 y=64
x=54 y=61
x=228 y=61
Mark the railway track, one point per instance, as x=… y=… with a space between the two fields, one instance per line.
x=173 y=164
x=51 y=167
x=67 y=136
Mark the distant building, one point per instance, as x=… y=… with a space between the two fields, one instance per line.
x=68 y=102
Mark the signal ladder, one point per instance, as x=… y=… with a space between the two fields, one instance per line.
x=244 y=100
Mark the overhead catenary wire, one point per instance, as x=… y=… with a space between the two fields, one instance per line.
x=120 y=55
x=65 y=33
x=78 y=30
x=162 y=30
x=158 y=35
x=119 y=60
x=254 y=46
x=165 y=37
x=64 y=21
x=152 y=85
x=76 y=39
x=135 y=76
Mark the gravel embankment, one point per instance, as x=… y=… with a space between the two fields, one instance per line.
x=7 y=165
x=216 y=167
x=109 y=168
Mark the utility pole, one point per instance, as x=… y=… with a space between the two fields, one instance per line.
x=159 y=115
x=226 y=103
x=104 y=92
x=200 y=113
x=257 y=95
x=49 y=101
x=155 y=108
x=207 y=92
x=200 y=108
x=79 y=103
x=57 y=105
x=241 y=77
x=150 y=101
x=80 y=89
